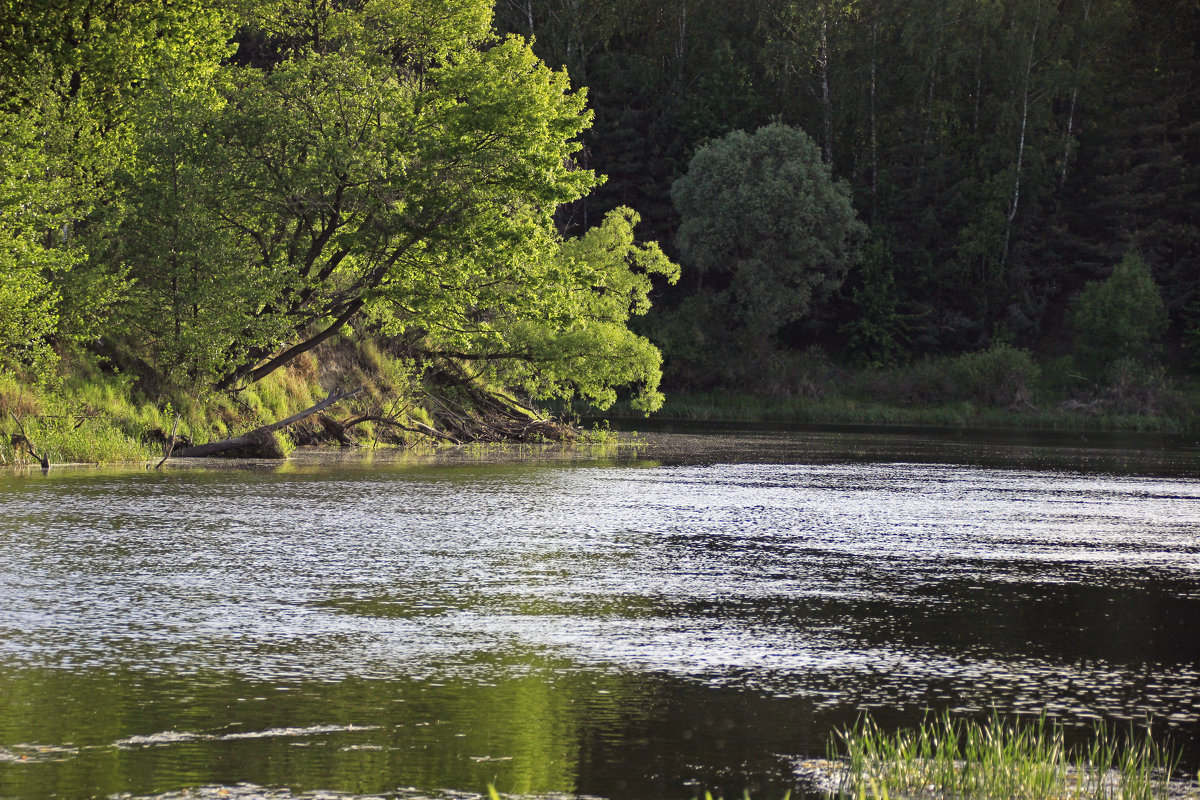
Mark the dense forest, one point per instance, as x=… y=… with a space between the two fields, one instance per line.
x=198 y=195
x=1004 y=154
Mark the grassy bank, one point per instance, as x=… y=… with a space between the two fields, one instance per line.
x=93 y=417
x=92 y=413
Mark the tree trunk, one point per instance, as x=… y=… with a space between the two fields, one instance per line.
x=1018 y=166
x=826 y=98
x=254 y=436
x=260 y=372
x=1066 y=156
x=874 y=136
x=681 y=45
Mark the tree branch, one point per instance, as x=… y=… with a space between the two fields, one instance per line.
x=260 y=372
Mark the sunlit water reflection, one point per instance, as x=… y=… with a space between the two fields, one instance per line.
x=628 y=626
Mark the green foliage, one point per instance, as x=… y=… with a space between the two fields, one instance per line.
x=398 y=162
x=194 y=282
x=697 y=341
x=28 y=305
x=207 y=212
x=762 y=212
x=574 y=340
x=72 y=77
x=1120 y=318
x=218 y=214
x=1191 y=337
x=1002 y=375
x=374 y=174
x=1135 y=386
x=1008 y=152
x=28 y=300
x=877 y=329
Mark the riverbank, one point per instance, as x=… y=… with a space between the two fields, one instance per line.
x=1003 y=387
x=733 y=406
x=93 y=411
x=999 y=388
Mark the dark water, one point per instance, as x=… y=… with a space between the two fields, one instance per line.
x=696 y=614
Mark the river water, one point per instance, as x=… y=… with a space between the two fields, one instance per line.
x=698 y=612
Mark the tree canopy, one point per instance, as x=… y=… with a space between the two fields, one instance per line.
x=1121 y=317
x=761 y=214
x=391 y=163
x=206 y=191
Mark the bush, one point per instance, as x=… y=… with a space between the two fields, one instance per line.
x=1002 y=375
x=1120 y=318
x=923 y=382
x=1134 y=387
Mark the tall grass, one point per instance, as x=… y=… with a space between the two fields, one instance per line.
x=1000 y=760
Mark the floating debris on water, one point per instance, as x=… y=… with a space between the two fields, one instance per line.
x=244 y=791
x=252 y=791
x=175 y=737
x=160 y=738
x=309 y=731
x=35 y=753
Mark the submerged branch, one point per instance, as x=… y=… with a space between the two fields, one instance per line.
x=24 y=439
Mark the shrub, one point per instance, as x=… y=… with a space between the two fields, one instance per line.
x=1134 y=387
x=1002 y=375
x=925 y=382
x=1120 y=318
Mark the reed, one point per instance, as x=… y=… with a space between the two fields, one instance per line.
x=999 y=760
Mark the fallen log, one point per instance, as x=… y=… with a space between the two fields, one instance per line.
x=336 y=430
x=256 y=436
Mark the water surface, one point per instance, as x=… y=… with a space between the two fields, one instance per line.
x=697 y=613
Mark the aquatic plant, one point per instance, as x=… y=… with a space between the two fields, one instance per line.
x=998 y=759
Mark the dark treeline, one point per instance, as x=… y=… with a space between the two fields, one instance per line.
x=1004 y=154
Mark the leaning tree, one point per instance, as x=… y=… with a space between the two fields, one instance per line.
x=391 y=161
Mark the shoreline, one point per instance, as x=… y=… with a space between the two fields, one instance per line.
x=721 y=408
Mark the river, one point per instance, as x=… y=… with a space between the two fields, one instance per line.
x=697 y=612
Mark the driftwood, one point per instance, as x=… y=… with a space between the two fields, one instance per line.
x=416 y=427
x=169 y=447
x=23 y=439
x=335 y=429
x=257 y=436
